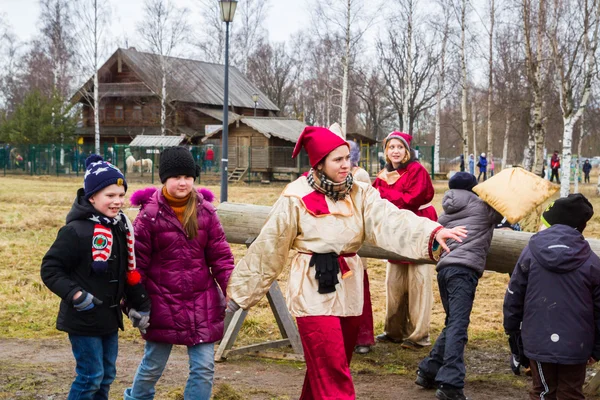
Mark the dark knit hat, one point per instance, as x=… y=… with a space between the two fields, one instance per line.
x=100 y=174
x=462 y=180
x=175 y=161
x=574 y=210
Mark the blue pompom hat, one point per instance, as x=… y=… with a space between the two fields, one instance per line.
x=100 y=174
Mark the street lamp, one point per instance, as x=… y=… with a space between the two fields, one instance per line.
x=255 y=100
x=227 y=12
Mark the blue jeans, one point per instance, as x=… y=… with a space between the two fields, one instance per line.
x=96 y=369
x=199 y=383
x=446 y=363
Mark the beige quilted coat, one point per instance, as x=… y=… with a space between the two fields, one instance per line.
x=362 y=216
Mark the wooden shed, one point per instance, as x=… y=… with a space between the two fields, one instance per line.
x=263 y=145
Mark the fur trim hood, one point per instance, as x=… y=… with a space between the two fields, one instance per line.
x=140 y=197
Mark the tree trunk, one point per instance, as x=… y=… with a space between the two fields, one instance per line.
x=474 y=118
x=490 y=136
x=408 y=84
x=565 y=174
x=163 y=100
x=506 y=136
x=438 y=111
x=578 y=165
x=346 y=66
x=463 y=59
x=244 y=221
x=96 y=84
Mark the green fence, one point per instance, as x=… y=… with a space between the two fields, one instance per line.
x=141 y=163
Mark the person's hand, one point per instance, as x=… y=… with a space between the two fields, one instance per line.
x=84 y=301
x=591 y=361
x=455 y=234
x=140 y=319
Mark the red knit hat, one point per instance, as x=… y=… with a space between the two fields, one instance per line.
x=405 y=138
x=318 y=142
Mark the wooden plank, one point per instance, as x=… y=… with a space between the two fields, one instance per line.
x=257 y=347
x=284 y=319
x=233 y=323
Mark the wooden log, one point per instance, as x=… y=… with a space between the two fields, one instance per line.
x=243 y=221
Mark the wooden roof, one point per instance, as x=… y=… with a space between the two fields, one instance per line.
x=284 y=128
x=190 y=81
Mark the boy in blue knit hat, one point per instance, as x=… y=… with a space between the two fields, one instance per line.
x=91 y=267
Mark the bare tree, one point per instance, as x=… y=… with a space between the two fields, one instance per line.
x=92 y=18
x=211 y=42
x=248 y=30
x=348 y=19
x=534 y=59
x=371 y=90
x=58 y=39
x=441 y=73
x=573 y=40
x=465 y=83
x=275 y=72
x=9 y=54
x=163 y=30
x=490 y=136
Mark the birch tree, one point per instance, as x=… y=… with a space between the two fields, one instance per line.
x=348 y=19
x=441 y=73
x=534 y=59
x=490 y=135
x=211 y=40
x=92 y=18
x=573 y=39
x=248 y=31
x=465 y=83
x=163 y=30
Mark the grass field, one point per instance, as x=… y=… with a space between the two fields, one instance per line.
x=32 y=209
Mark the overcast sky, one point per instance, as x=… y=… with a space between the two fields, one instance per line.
x=285 y=17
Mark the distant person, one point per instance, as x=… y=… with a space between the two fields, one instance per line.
x=471 y=164
x=553 y=302
x=462 y=163
x=491 y=164
x=482 y=165
x=555 y=166
x=91 y=267
x=406 y=184
x=186 y=262
x=587 y=168
x=210 y=156
x=458 y=274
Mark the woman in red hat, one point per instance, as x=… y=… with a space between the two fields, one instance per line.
x=409 y=293
x=325 y=217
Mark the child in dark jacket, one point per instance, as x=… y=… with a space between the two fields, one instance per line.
x=458 y=274
x=553 y=301
x=91 y=267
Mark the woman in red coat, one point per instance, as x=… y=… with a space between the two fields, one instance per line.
x=409 y=296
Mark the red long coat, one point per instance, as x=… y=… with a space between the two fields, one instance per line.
x=408 y=188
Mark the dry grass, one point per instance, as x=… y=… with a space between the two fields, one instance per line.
x=32 y=210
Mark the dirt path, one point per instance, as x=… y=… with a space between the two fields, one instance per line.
x=44 y=369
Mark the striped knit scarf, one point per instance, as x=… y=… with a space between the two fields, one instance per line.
x=102 y=242
x=322 y=184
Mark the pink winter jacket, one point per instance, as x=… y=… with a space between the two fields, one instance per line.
x=185 y=279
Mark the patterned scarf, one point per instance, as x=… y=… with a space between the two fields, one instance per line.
x=102 y=245
x=322 y=184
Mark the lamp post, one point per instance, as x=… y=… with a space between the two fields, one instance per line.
x=255 y=100
x=227 y=12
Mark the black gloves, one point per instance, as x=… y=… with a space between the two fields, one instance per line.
x=86 y=301
x=518 y=358
x=327 y=267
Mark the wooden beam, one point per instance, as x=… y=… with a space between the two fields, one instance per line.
x=243 y=221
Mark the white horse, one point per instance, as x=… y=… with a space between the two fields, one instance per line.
x=146 y=164
x=131 y=164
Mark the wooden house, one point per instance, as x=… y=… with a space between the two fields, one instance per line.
x=263 y=145
x=129 y=91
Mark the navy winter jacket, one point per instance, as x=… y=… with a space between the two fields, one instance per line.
x=555 y=293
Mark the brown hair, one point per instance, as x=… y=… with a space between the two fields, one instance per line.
x=190 y=215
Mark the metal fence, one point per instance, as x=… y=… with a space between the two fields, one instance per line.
x=141 y=163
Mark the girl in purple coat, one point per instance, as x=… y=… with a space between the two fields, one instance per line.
x=185 y=262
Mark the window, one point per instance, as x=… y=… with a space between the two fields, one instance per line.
x=137 y=113
x=119 y=112
x=101 y=114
